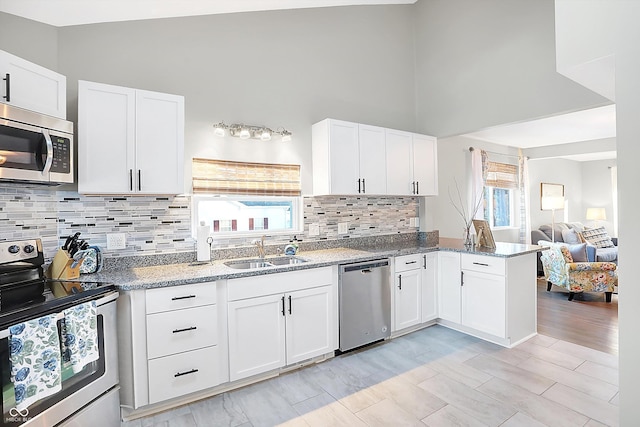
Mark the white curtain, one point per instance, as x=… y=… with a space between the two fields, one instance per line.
x=525 y=199
x=479 y=160
x=614 y=192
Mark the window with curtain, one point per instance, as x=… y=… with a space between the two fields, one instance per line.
x=500 y=183
x=242 y=198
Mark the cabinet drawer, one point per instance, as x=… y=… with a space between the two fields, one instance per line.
x=483 y=264
x=408 y=262
x=181 y=330
x=177 y=297
x=183 y=373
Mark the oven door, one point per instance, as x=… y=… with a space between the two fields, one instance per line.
x=78 y=389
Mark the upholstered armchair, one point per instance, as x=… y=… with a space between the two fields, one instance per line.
x=560 y=270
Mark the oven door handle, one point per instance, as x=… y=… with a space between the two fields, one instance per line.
x=49 y=161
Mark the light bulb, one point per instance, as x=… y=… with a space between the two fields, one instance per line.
x=244 y=133
x=286 y=136
x=219 y=132
x=265 y=135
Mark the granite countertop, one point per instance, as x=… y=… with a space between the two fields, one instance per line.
x=186 y=273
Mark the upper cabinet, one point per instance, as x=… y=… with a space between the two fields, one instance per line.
x=130 y=141
x=348 y=158
x=32 y=87
x=351 y=158
x=412 y=164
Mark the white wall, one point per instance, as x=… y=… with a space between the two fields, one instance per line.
x=30 y=40
x=556 y=171
x=596 y=191
x=454 y=165
x=588 y=31
x=487 y=63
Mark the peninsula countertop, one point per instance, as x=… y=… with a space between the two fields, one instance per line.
x=187 y=273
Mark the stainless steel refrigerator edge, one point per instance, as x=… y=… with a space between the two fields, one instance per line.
x=365 y=303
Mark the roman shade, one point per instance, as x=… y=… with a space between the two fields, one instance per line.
x=244 y=178
x=502 y=175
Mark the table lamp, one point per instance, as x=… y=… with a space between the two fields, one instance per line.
x=595 y=215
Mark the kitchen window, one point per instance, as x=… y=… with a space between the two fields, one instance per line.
x=499 y=194
x=241 y=198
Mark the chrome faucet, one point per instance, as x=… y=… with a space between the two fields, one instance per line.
x=260 y=245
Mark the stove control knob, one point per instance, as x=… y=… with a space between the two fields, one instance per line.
x=14 y=249
x=29 y=248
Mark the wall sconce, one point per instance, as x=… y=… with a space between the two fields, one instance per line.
x=243 y=131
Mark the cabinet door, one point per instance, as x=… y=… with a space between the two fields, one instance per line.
x=371 y=146
x=399 y=165
x=425 y=165
x=159 y=143
x=408 y=298
x=310 y=324
x=342 y=167
x=449 y=286
x=429 y=287
x=256 y=335
x=106 y=133
x=483 y=302
x=33 y=87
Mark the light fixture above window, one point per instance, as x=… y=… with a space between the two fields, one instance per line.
x=243 y=131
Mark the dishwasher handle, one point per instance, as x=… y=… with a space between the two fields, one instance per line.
x=365 y=266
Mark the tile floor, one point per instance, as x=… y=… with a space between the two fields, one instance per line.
x=433 y=377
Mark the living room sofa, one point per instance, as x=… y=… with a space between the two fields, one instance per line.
x=566 y=232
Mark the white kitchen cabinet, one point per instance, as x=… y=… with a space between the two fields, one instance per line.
x=348 y=158
x=280 y=319
x=130 y=141
x=429 y=286
x=412 y=163
x=32 y=87
x=169 y=343
x=488 y=296
x=407 y=291
x=449 y=289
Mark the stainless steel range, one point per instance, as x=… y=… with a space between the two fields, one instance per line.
x=76 y=392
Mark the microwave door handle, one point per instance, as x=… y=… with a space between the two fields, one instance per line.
x=49 y=161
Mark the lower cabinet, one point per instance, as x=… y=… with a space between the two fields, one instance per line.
x=408 y=291
x=267 y=332
x=449 y=289
x=483 y=302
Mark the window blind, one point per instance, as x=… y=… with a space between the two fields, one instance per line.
x=502 y=175
x=244 y=178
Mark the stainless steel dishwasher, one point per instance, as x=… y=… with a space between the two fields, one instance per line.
x=365 y=303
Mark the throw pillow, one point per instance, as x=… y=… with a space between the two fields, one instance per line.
x=598 y=237
x=566 y=254
x=570 y=236
x=579 y=252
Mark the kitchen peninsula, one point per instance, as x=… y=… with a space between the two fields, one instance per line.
x=190 y=330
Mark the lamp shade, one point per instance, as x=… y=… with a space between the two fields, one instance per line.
x=596 y=214
x=552 y=203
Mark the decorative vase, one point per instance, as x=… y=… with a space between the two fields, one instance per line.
x=466 y=237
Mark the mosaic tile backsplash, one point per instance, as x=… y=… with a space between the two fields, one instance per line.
x=162 y=225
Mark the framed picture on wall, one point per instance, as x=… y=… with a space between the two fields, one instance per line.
x=550 y=193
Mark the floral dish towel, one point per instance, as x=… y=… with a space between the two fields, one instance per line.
x=80 y=335
x=35 y=360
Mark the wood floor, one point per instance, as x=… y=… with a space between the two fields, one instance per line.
x=587 y=320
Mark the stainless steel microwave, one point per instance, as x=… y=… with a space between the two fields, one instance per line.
x=35 y=148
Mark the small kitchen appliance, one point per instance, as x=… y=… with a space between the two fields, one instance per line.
x=35 y=148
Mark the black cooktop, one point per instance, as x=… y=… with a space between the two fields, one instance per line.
x=58 y=295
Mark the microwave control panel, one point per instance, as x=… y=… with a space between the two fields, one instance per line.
x=61 y=155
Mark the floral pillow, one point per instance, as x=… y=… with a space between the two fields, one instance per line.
x=566 y=254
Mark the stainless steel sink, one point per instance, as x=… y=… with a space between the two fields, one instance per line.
x=246 y=264
x=285 y=260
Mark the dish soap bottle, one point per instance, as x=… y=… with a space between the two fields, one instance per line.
x=292 y=248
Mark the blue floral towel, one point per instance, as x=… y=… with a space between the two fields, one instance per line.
x=80 y=342
x=35 y=360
